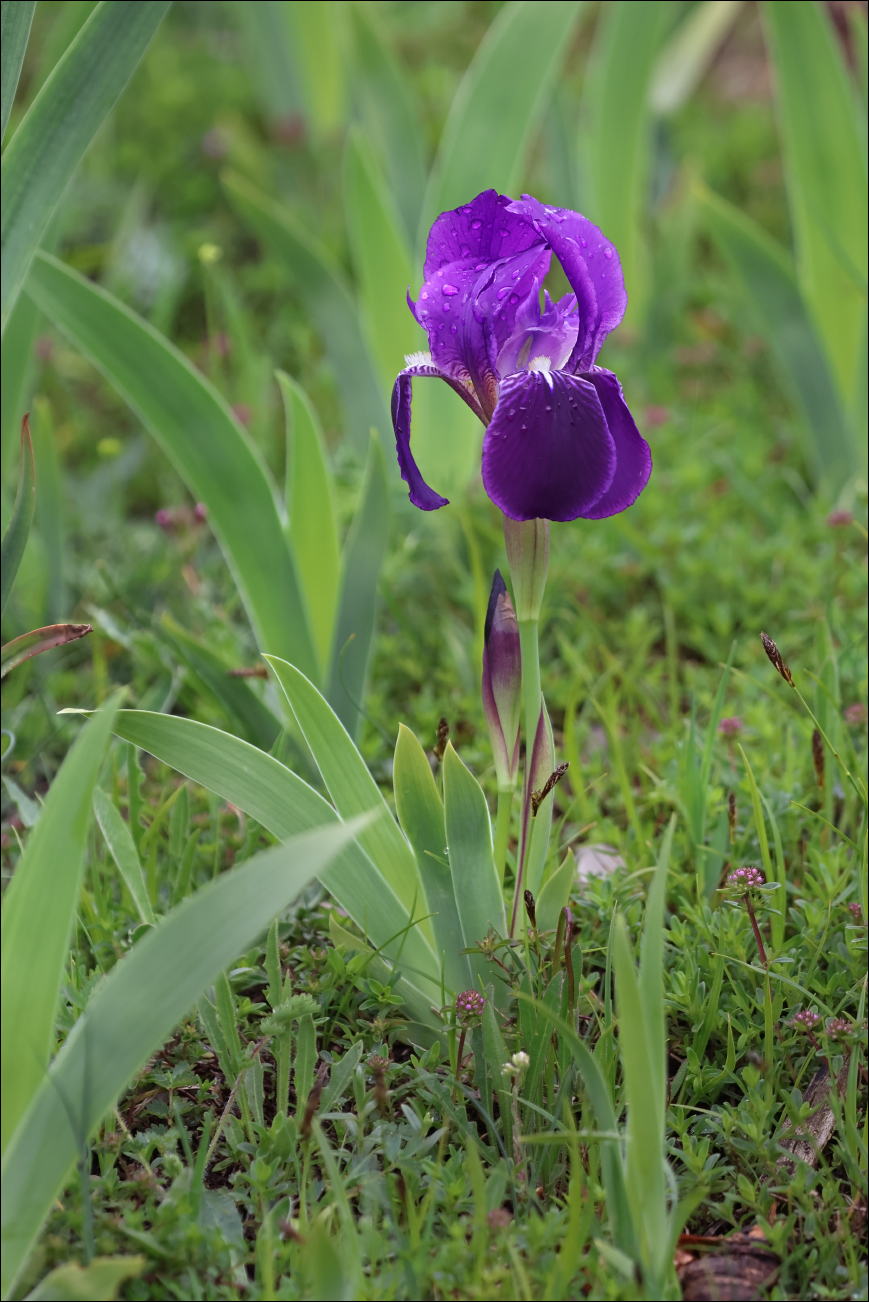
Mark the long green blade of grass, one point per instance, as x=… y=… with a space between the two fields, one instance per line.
x=327 y=300
x=208 y=447
x=825 y=170
x=37 y=918
x=60 y=124
x=133 y=1012
x=350 y=785
x=617 y=125
x=18 y=531
x=499 y=104
x=361 y=562
x=421 y=814
x=262 y=787
x=311 y=512
x=389 y=115
x=769 y=281
x=476 y=885
x=17 y=16
x=123 y=850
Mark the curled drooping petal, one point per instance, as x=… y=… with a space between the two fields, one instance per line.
x=593 y=269
x=502 y=683
x=420 y=365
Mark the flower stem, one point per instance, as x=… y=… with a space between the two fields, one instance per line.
x=756 y=928
x=530 y=681
x=502 y=831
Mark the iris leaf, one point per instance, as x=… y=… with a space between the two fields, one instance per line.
x=201 y=437
x=60 y=124
x=14 y=34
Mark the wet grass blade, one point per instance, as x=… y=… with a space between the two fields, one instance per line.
x=132 y=1013
x=201 y=437
x=18 y=531
x=688 y=53
x=768 y=278
x=499 y=104
x=38 y=914
x=361 y=562
x=14 y=35
x=60 y=124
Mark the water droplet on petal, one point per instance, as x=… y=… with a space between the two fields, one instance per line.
x=503 y=232
x=514 y=298
x=583 y=243
x=475 y=225
x=464 y=250
x=548 y=409
x=516 y=274
x=502 y=293
x=607 y=253
x=446 y=307
x=523 y=427
x=424 y=294
x=481 y=266
x=449 y=289
x=453 y=329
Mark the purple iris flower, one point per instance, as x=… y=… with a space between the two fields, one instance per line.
x=560 y=441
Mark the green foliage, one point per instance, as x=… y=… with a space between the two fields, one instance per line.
x=18 y=530
x=63 y=120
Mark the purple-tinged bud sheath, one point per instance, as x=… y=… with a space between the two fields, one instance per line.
x=502 y=683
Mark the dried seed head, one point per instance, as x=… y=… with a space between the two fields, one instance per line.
x=776 y=660
x=818 y=757
x=538 y=797
x=731 y=815
x=530 y=908
x=442 y=737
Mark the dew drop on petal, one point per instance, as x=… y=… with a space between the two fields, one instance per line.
x=607 y=253
x=453 y=329
x=514 y=298
x=464 y=250
x=503 y=232
x=523 y=427
x=502 y=293
x=450 y=290
x=548 y=409
x=446 y=307
x=481 y=266
x=583 y=243
x=475 y=225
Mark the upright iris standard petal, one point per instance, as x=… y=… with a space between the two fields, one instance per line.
x=547 y=452
x=633 y=457
x=593 y=269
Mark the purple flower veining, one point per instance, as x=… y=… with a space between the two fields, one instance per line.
x=560 y=441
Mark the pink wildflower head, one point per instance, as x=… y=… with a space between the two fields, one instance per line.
x=730 y=727
x=855 y=714
x=806 y=1020
x=838 y=1028
x=745 y=879
x=469 y=1005
x=856 y=912
x=200 y=512
x=837 y=519
x=166 y=519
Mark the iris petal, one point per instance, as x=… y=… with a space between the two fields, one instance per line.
x=633 y=456
x=593 y=268
x=421 y=495
x=548 y=452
